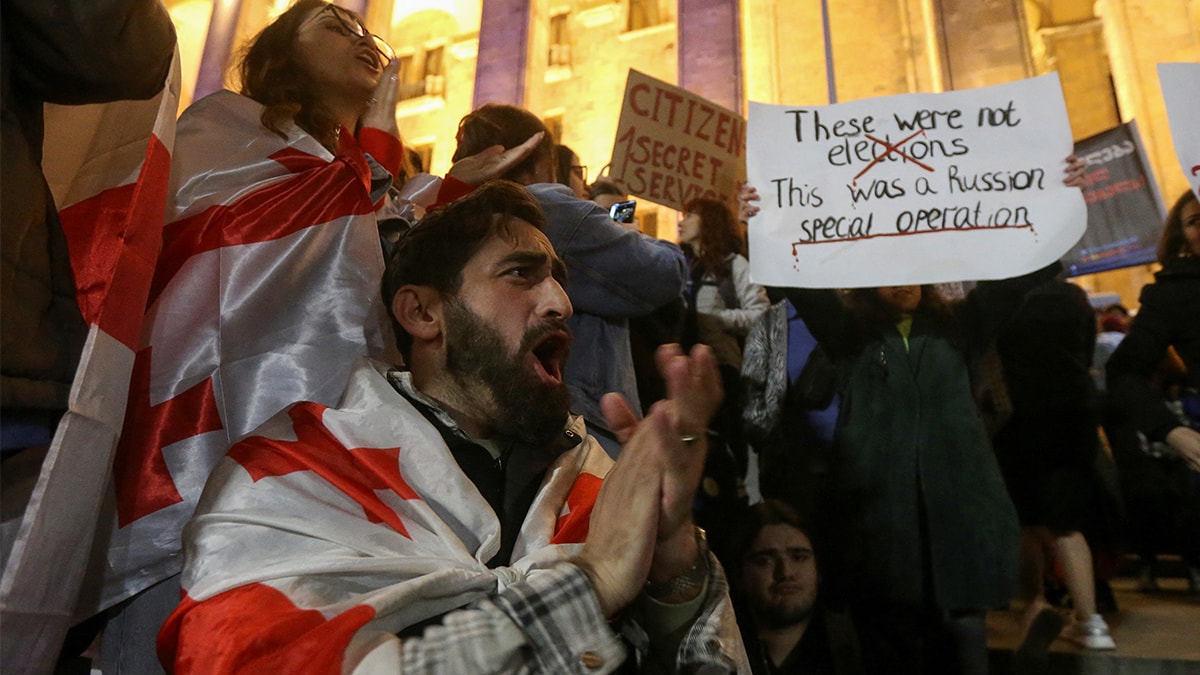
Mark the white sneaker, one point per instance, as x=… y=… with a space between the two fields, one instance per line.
x=1090 y=634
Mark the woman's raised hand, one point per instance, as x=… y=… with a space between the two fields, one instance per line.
x=381 y=112
x=493 y=162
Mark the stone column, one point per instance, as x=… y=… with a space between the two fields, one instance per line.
x=1139 y=34
x=1078 y=53
x=217 y=47
x=710 y=62
x=985 y=43
x=503 y=52
x=1069 y=39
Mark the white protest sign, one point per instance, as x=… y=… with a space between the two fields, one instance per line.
x=1181 y=92
x=912 y=189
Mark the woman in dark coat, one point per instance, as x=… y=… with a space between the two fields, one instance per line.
x=1160 y=497
x=928 y=536
x=1169 y=317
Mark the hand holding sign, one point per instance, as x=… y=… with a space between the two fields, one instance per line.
x=747 y=196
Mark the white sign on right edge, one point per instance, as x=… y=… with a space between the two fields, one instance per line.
x=912 y=189
x=1181 y=93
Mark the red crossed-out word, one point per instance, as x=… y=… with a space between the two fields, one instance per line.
x=896 y=149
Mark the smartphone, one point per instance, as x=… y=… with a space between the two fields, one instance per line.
x=622 y=212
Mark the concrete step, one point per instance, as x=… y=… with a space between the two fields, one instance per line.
x=1156 y=634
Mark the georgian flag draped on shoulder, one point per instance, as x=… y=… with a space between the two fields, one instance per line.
x=265 y=293
x=332 y=529
x=107 y=166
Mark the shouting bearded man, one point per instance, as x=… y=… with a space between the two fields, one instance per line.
x=455 y=517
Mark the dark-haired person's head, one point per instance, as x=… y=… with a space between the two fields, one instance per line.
x=1115 y=319
x=885 y=305
x=479 y=311
x=508 y=126
x=606 y=192
x=570 y=171
x=314 y=64
x=1181 y=234
x=775 y=565
x=710 y=229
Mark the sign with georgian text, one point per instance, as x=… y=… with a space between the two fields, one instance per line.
x=913 y=188
x=1124 y=211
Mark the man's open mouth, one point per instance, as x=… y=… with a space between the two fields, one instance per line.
x=549 y=355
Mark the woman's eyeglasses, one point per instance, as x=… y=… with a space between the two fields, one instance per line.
x=352 y=27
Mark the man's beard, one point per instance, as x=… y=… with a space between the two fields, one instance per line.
x=520 y=404
x=779 y=614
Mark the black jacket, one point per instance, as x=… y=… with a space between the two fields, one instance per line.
x=68 y=52
x=1169 y=317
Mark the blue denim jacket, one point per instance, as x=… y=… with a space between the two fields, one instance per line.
x=612 y=274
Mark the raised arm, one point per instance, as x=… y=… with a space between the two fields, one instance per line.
x=613 y=272
x=74 y=52
x=1129 y=371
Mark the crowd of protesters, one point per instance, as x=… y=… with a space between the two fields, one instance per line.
x=920 y=461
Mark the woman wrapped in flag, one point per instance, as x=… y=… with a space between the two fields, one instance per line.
x=267 y=286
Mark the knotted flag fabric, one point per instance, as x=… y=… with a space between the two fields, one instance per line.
x=108 y=167
x=332 y=529
x=265 y=294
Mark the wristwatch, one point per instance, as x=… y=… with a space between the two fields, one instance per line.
x=688 y=583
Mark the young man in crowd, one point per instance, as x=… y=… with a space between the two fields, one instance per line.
x=785 y=625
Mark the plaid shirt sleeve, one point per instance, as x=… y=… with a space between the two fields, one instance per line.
x=548 y=623
x=551 y=623
x=710 y=643
x=713 y=644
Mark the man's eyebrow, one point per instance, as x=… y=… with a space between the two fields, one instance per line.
x=528 y=258
x=778 y=549
x=558 y=268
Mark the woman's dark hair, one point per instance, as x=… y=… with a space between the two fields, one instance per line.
x=604 y=186
x=564 y=159
x=435 y=251
x=506 y=125
x=873 y=312
x=272 y=76
x=719 y=235
x=1173 y=244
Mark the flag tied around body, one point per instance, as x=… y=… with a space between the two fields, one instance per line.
x=265 y=293
x=260 y=290
x=108 y=167
x=332 y=529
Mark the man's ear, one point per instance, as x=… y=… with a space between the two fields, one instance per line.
x=418 y=309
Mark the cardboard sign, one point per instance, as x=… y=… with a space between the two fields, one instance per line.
x=912 y=189
x=673 y=146
x=1124 y=210
x=1181 y=93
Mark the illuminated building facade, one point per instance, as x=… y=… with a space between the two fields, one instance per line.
x=567 y=60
